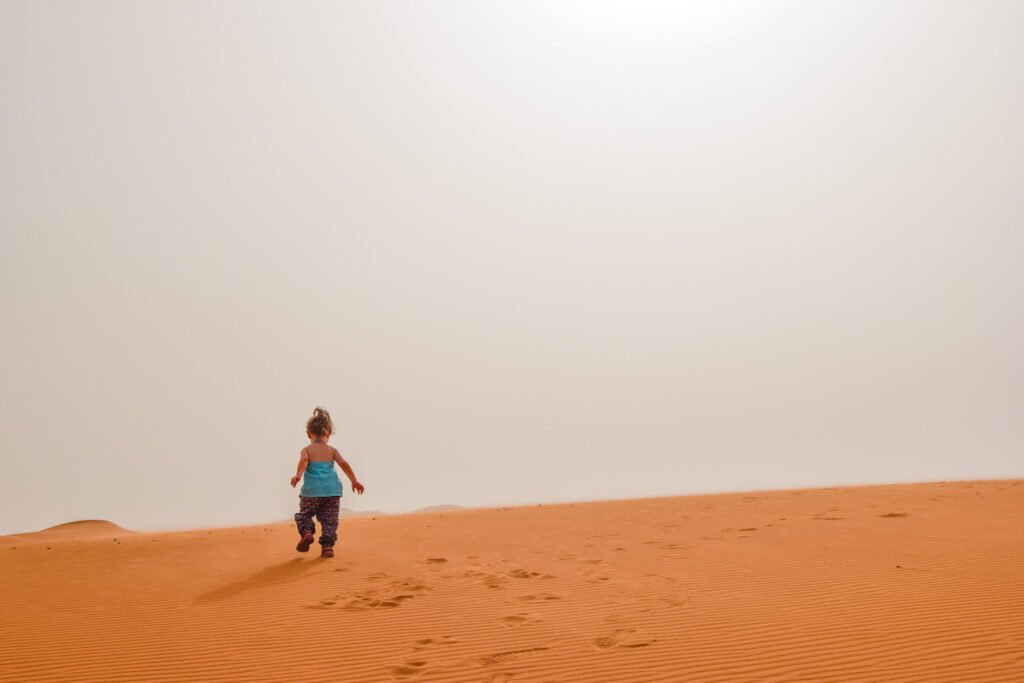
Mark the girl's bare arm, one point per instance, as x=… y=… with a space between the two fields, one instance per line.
x=347 y=469
x=300 y=468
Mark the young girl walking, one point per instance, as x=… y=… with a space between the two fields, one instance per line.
x=320 y=495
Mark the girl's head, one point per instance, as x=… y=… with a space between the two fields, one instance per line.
x=319 y=426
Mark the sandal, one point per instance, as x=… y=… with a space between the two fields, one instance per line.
x=327 y=552
x=305 y=542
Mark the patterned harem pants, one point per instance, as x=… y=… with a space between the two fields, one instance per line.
x=326 y=510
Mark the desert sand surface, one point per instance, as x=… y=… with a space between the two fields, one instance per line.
x=921 y=582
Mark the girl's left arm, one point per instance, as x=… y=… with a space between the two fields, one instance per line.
x=300 y=468
x=347 y=469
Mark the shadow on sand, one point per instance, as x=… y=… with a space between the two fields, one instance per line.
x=281 y=573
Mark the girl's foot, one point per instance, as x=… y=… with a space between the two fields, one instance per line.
x=327 y=552
x=305 y=542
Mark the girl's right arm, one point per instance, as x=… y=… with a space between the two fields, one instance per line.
x=301 y=467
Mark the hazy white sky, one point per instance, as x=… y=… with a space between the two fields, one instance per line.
x=523 y=251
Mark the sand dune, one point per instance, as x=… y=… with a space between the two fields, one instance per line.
x=80 y=529
x=346 y=513
x=893 y=583
x=438 y=508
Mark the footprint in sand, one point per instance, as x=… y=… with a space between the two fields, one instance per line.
x=362 y=603
x=511 y=655
x=495 y=581
x=421 y=647
x=521 y=619
x=539 y=597
x=659 y=578
x=323 y=604
x=436 y=560
x=524 y=574
x=621 y=638
x=387 y=596
x=408 y=669
x=499 y=580
x=430 y=643
x=675 y=600
x=498 y=678
x=895 y=514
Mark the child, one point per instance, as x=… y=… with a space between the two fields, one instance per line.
x=321 y=488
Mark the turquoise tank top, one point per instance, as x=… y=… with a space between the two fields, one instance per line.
x=320 y=480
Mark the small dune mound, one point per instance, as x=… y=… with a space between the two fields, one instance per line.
x=70 y=531
x=347 y=513
x=80 y=529
x=86 y=526
x=439 y=508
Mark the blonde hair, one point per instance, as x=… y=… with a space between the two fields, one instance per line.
x=320 y=424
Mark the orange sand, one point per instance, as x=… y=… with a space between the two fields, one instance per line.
x=901 y=583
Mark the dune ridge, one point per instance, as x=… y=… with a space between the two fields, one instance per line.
x=86 y=526
x=438 y=508
x=78 y=529
x=346 y=513
x=915 y=582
